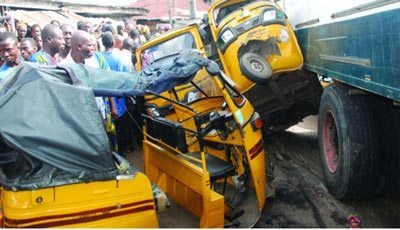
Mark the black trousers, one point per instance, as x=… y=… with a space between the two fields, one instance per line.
x=125 y=133
x=136 y=108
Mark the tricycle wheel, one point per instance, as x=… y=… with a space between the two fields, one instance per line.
x=348 y=143
x=255 y=67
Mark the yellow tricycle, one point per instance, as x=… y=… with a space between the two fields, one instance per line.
x=206 y=151
x=56 y=165
x=256 y=46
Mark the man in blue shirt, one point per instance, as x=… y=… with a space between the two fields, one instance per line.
x=9 y=52
x=27 y=47
x=123 y=126
x=113 y=60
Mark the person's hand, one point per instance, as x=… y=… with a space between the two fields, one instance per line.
x=114 y=113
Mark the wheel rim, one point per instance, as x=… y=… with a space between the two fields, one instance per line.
x=256 y=65
x=330 y=142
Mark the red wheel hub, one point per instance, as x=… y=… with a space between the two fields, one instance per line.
x=330 y=142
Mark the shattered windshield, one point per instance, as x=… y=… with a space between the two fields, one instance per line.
x=201 y=86
x=204 y=86
x=223 y=11
x=164 y=52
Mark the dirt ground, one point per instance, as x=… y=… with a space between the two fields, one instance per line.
x=301 y=199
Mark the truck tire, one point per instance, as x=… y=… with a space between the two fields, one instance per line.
x=348 y=143
x=255 y=67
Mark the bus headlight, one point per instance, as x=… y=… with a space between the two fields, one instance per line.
x=225 y=38
x=269 y=15
x=284 y=35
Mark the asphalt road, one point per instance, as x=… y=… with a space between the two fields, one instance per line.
x=301 y=199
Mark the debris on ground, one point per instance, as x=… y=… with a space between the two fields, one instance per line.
x=160 y=198
x=354 y=221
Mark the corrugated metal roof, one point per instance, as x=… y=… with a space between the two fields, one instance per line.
x=30 y=19
x=45 y=17
x=56 y=16
x=159 y=9
x=40 y=17
x=72 y=16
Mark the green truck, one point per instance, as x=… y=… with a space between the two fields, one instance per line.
x=354 y=47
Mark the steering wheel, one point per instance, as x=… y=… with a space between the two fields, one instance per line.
x=217 y=122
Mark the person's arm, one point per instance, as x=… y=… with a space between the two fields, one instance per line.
x=97 y=27
x=113 y=107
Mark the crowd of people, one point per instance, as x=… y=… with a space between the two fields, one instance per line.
x=104 y=46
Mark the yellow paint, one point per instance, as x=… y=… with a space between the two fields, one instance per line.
x=290 y=59
x=74 y=202
x=189 y=184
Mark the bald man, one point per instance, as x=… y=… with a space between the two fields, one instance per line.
x=53 y=42
x=9 y=52
x=119 y=42
x=83 y=50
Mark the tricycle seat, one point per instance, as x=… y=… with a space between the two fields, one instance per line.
x=173 y=134
x=170 y=132
x=216 y=167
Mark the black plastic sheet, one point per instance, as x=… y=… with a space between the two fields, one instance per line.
x=51 y=132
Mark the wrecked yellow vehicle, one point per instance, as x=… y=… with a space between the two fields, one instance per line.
x=254 y=41
x=56 y=165
x=207 y=152
x=254 y=44
x=57 y=168
x=110 y=204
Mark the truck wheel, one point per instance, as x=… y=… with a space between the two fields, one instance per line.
x=255 y=67
x=348 y=143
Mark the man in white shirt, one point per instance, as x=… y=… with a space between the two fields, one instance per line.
x=83 y=50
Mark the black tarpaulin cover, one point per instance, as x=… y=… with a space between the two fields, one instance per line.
x=51 y=131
